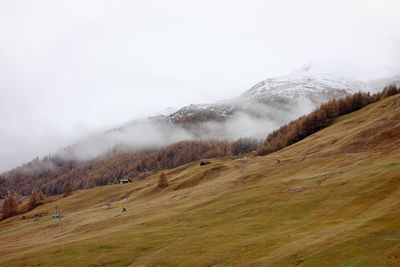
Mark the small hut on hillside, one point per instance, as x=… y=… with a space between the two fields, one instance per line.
x=125 y=181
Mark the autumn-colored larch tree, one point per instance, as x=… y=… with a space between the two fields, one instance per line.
x=9 y=207
x=162 y=181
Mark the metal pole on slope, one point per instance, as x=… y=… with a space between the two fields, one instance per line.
x=60 y=223
x=57 y=215
x=124 y=207
x=244 y=168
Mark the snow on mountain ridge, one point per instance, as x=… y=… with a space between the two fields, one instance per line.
x=312 y=84
x=258 y=111
x=304 y=82
x=314 y=78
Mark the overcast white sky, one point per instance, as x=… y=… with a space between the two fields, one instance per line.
x=68 y=68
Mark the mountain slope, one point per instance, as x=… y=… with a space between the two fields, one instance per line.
x=259 y=110
x=105 y=157
x=266 y=106
x=333 y=200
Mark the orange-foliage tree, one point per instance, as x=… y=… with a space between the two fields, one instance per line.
x=9 y=207
x=35 y=199
x=162 y=181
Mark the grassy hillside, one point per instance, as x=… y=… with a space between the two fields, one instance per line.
x=333 y=200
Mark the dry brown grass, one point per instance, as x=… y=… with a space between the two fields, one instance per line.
x=322 y=205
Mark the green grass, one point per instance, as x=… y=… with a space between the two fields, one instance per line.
x=328 y=203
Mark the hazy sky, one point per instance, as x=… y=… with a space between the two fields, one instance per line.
x=68 y=68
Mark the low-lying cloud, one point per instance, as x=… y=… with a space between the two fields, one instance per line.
x=251 y=120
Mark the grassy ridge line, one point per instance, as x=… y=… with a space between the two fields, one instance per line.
x=332 y=201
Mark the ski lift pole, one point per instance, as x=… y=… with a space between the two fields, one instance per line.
x=244 y=168
x=57 y=215
x=60 y=223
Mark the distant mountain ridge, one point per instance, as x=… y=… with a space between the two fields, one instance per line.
x=312 y=82
x=264 y=107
